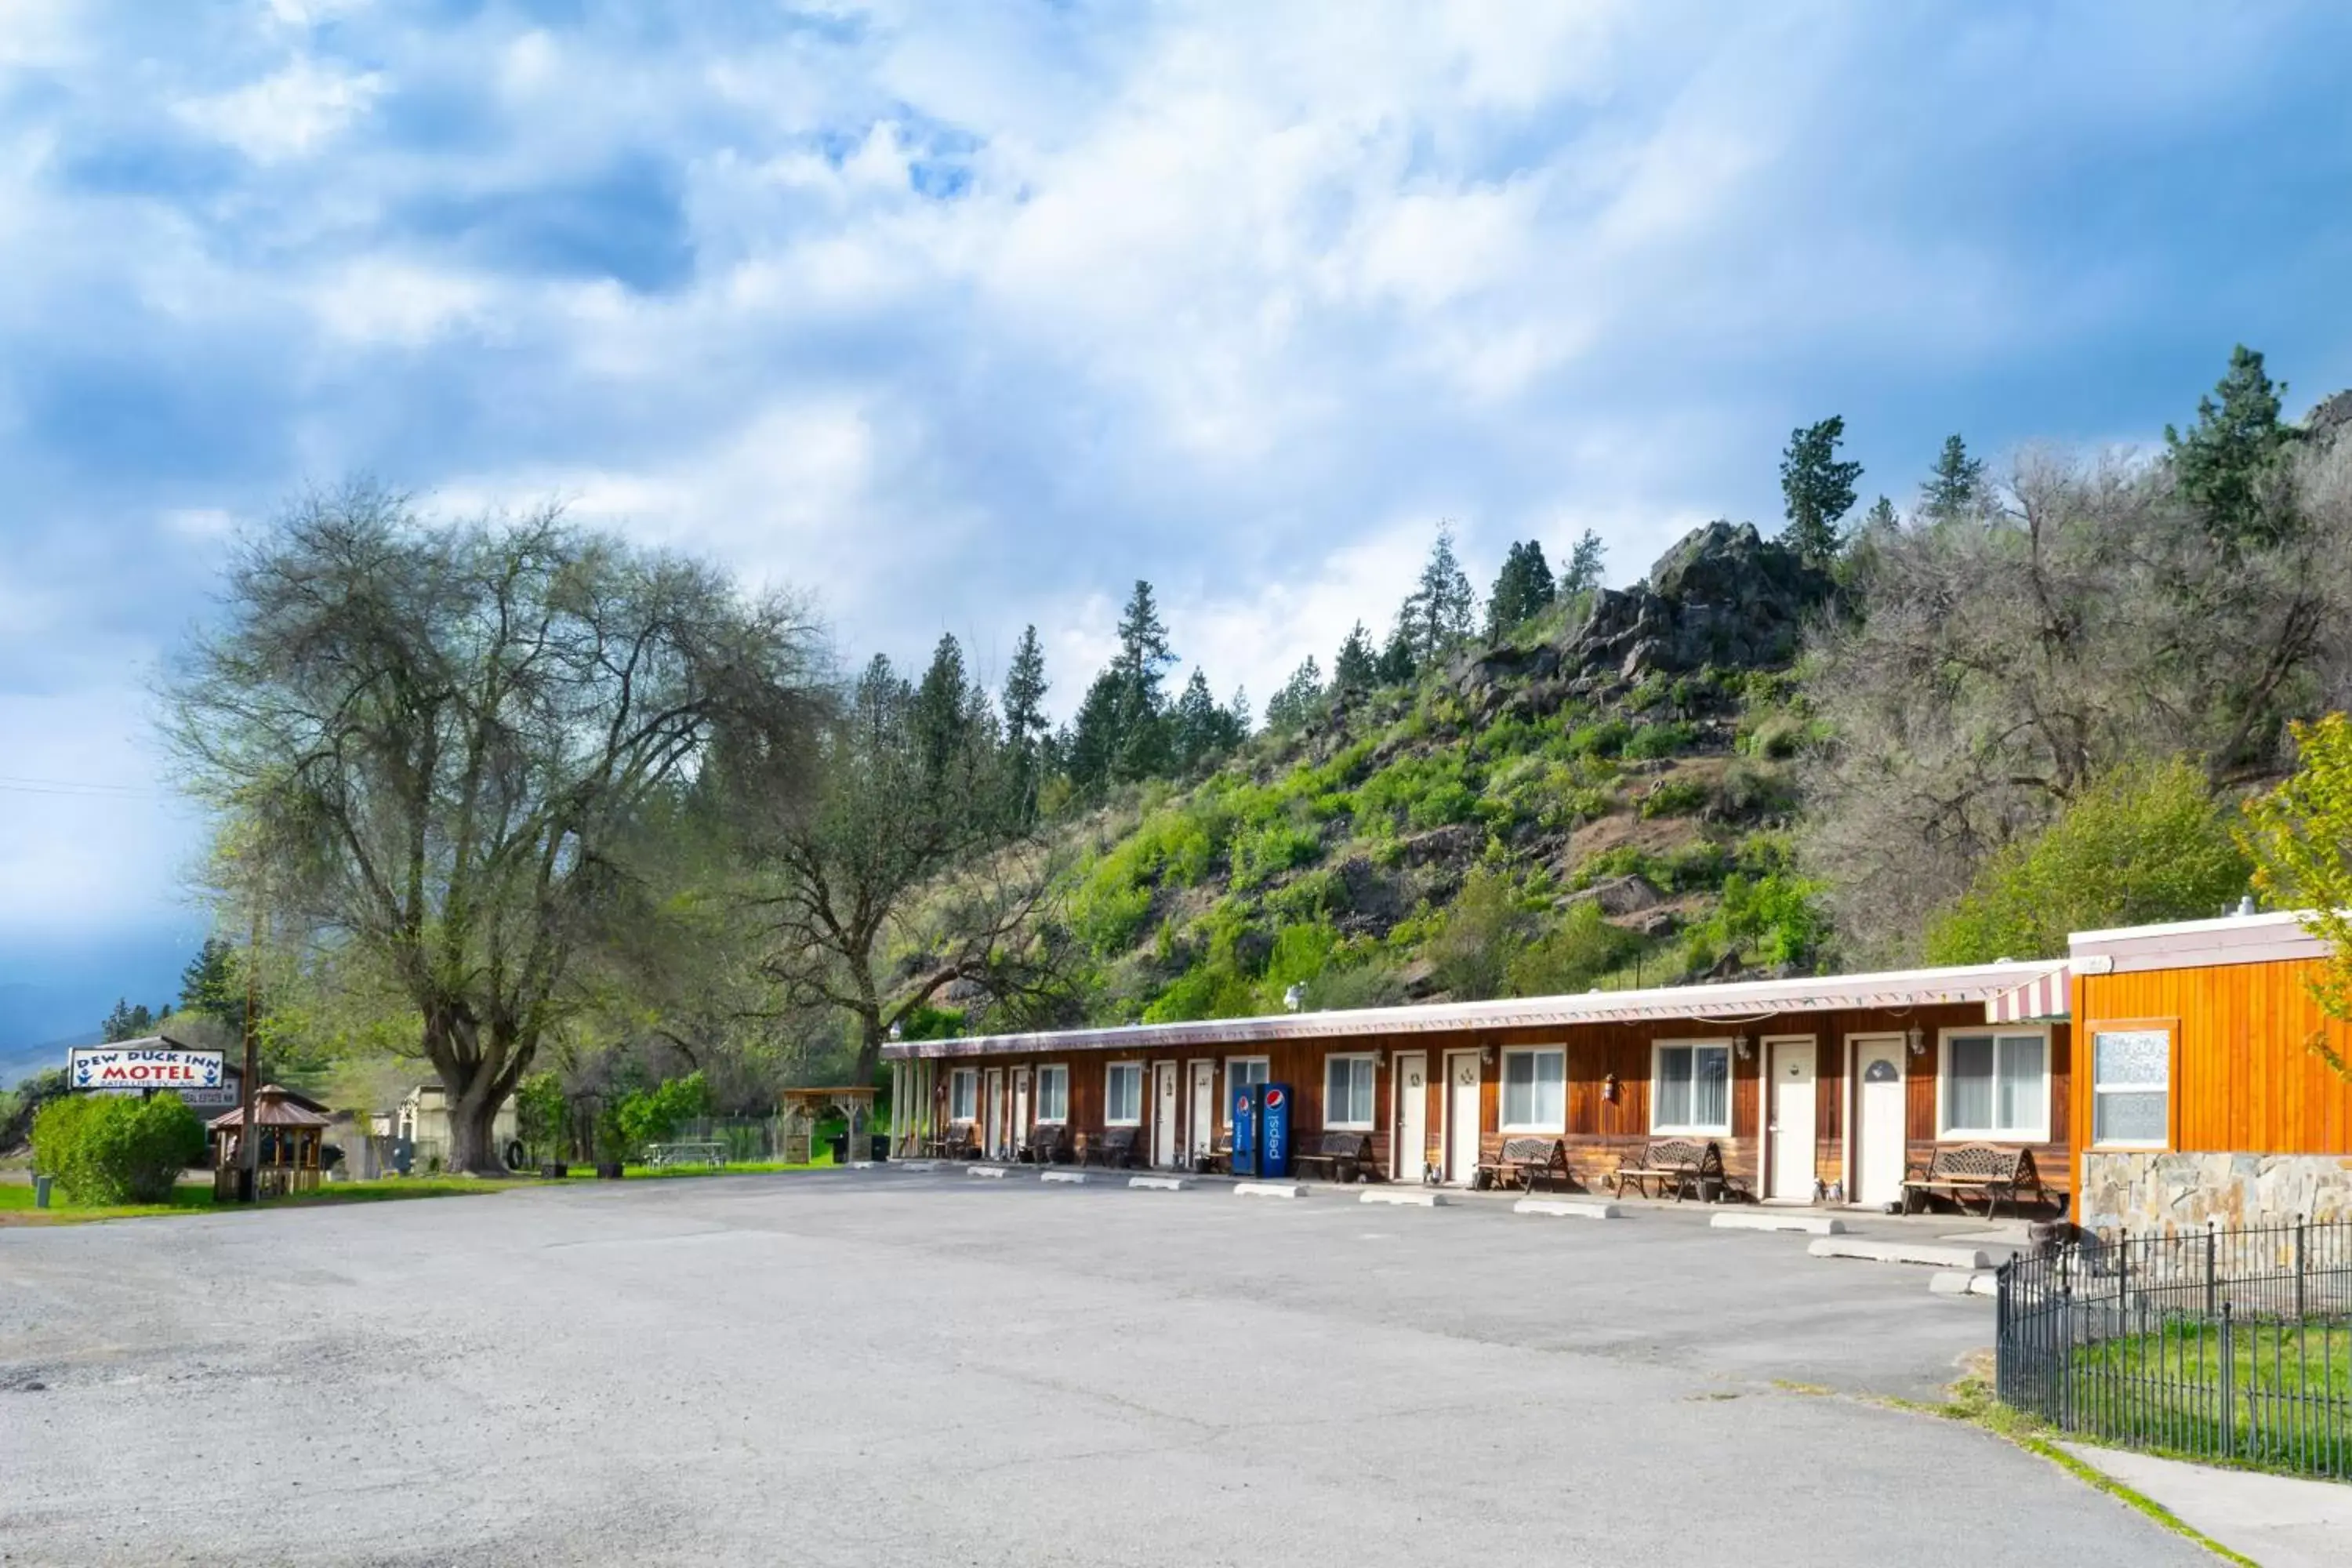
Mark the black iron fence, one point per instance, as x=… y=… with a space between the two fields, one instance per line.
x=2216 y=1344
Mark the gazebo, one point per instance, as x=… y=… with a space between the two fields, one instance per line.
x=291 y=1136
x=801 y=1108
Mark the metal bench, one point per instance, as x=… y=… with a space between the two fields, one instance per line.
x=1115 y=1148
x=1048 y=1143
x=958 y=1141
x=1972 y=1170
x=1524 y=1162
x=691 y=1152
x=1687 y=1165
x=1346 y=1155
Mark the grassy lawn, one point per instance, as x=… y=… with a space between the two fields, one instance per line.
x=16 y=1199
x=2290 y=1386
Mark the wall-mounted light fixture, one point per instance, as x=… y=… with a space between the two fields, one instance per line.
x=1918 y=1040
x=1744 y=1048
x=1487 y=1054
x=1609 y=1088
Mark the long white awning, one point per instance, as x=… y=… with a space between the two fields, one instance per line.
x=2044 y=997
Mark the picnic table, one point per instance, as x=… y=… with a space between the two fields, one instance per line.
x=687 y=1153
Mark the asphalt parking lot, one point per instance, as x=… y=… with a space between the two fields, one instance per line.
x=891 y=1368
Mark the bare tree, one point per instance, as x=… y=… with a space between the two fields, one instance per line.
x=430 y=744
x=2005 y=659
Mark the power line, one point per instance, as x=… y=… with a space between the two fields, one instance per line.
x=87 y=789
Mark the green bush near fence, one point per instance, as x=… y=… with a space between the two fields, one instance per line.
x=114 y=1149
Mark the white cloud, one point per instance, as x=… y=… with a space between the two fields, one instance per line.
x=291 y=113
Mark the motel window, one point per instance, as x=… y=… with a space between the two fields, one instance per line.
x=1535 y=1091
x=1240 y=1073
x=2131 y=1088
x=963 y=1094
x=1123 y=1095
x=1347 y=1092
x=1994 y=1086
x=1690 y=1090
x=1053 y=1094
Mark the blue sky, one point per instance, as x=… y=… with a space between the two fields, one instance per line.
x=966 y=315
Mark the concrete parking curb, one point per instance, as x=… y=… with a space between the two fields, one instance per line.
x=1569 y=1209
x=1925 y=1253
x=1074 y=1178
x=996 y=1171
x=1806 y=1224
x=1405 y=1197
x=1269 y=1190
x=1159 y=1184
x=1962 y=1282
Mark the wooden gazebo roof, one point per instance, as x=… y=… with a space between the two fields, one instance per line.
x=272 y=1107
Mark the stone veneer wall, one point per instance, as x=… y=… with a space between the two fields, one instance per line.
x=2138 y=1193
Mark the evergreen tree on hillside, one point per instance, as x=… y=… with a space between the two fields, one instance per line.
x=1442 y=610
x=2226 y=463
x=1358 y=668
x=210 y=986
x=1291 y=708
x=1956 y=485
x=1397 y=666
x=1523 y=587
x=946 y=714
x=127 y=1022
x=1024 y=724
x=1143 y=651
x=1582 y=572
x=1122 y=731
x=1237 y=716
x=1880 y=520
x=1201 y=731
x=1818 y=489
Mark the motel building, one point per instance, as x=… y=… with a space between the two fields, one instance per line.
x=2158 y=1076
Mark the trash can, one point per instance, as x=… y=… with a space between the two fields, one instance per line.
x=839 y=1143
x=880 y=1146
x=41 y=1191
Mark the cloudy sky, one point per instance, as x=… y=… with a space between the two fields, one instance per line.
x=965 y=316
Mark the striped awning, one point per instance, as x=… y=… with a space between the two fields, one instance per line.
x=2044 y=997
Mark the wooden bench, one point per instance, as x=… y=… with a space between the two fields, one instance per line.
x=1346 y=1154
x=1688 y=1165
x=959 y=1141
x=1972 y=1170
x=1048 y=1143
x=1115 y=1148
x=1523 y=1162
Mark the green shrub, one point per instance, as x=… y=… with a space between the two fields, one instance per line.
x=653 y=1116
x=543 y=1116
x=1264 y=854
x=1109 y=914
x=1212 y=991
x=1605 y=739
x=1572 y=955
x=1655 y=741
x=1312 y=896
x=1675 y=797
x=1692 y=868
x=1745 y=790
x=114 y=1149
x=1447 y=801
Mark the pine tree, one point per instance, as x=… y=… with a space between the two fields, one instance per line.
x=1097 y=731
x=1201 y=730
x=1293 y=707
x=1881 y=519
x=944 y=723
x=1955 y=487
x=1584 y=572
x=1397 y=666
x=209 y=984
x=1818 y=487
x=2225 y=464
x=1523 y=587
x=128 y=1023
x=1358 y=668
x=1441 y=612
x=1024 y=724
x=1143 y=651
x=1237 y=718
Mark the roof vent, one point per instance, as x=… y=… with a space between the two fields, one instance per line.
x=2245 y=906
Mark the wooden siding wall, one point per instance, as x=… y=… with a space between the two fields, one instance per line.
x=2245 y=1078
x=1598 y=1128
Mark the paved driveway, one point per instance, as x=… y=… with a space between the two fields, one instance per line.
x=893 y=1368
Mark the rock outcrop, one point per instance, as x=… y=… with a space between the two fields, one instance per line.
x=1724 y=595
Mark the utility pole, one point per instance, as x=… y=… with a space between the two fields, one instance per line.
x=249 y=1178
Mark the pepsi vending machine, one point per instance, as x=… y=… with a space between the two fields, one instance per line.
x=1245 y=1112
x=1274 y=1129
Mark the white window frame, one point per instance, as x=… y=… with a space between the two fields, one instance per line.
x=1060 y=1072
x=1370 y=1060
x=1658 y=1050
x=1110 y=1075
x=1502 y=1091
x=1225 y=1103
x=2037 y=1131
x=963 y=1085
x=2170 y=1030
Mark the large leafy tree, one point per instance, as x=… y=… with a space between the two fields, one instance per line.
x=2300 y=835
x=1817 y=487
x=887 y=880
x=2228 y=463
x=428 y=745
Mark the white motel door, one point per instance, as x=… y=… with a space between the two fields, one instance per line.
x=1163 y=1115
x=993 y=1116
x=1201 y=1124
x=1461 y=1117
x=1409 y=1161
x=1020 y=1106
x=1792 y=1121
x=1878 y=1121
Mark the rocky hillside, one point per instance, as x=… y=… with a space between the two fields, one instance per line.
x=1599 y=802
